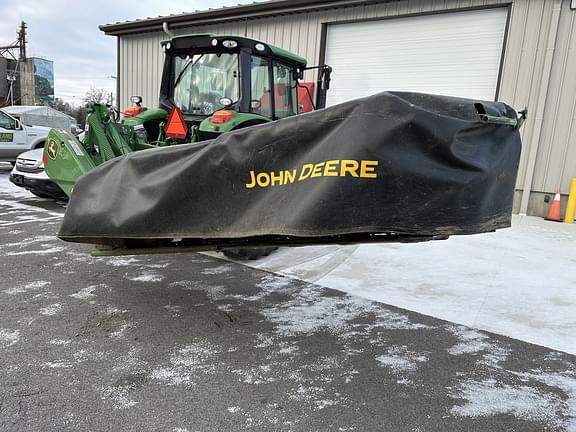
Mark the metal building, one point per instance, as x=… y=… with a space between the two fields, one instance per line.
x=522 y=52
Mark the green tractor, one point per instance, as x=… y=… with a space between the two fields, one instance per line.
x=210 y=85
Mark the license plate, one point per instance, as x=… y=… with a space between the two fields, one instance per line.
x=18 y=179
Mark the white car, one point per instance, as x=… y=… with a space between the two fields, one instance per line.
x=28 y=173
x=16 y=137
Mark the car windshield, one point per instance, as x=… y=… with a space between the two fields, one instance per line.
x=203 y=80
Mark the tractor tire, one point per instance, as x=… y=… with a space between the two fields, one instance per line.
x=248 y=253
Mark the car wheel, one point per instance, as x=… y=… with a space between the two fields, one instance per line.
x=248 y=253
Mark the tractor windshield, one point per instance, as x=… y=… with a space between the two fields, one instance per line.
x=204 y=81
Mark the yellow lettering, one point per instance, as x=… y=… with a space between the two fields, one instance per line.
x=348 y=166
x=289 y=176
x=263 y=179
x=368 y=168
x=306 y=171
x=317 y=171
x=277 y=179
x=252 y=181
x=330 y=168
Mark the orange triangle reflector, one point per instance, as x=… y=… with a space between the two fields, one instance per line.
x=175 y=125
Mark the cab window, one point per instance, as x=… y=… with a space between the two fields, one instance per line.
x=7 y=122
x=285 y=102
x=202 y=81
x=261 y=99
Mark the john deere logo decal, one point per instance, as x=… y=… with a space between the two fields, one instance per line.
x=330 y=168
x=52 y=149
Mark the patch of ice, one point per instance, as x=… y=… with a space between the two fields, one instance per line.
x=321 y=404
x=118 y=333
x=32 y=286
x=307 y=394
x=8 y=338
x=264 y=341
x=84 y=355
x=191 y=360
x=233 y=409
x=268 y=285
x=157 y=266
x=489 y=398
x=173 y=310
x=217 y=270
x=471 y=341
x=50 y=250
x=288 y=349
x=118 y=395
x=51 y=310
x=255 y=375
x=86 y=293
x=147 y=277
x=274 y=282
x=31 y=240
x=566 y=382
x=474 y=342
x=122 y=261
x=25 y=208
x=46 y=295
x=186 y=284
x=349 y=375
x=400 y=359
x=60 y=364
x=311 y=310
x=84 y=257
x=62 y=342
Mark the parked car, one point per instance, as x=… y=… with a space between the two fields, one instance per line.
x=28 y=173
x=17 y=137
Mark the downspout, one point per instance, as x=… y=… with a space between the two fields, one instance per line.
x=167 y=30
x=541 y=103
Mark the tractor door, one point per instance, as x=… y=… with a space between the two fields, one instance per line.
x=273 y=88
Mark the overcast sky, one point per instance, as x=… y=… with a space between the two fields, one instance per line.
x=66 y=32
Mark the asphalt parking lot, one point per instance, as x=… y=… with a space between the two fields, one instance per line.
x=195 y=343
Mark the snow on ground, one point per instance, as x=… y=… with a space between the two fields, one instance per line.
x=518 y=282
x=6 y=187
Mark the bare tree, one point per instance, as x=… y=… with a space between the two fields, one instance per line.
x=99 y=95
x=62 y=106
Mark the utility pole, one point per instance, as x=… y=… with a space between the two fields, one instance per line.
x=20 y=45
x=22 y=40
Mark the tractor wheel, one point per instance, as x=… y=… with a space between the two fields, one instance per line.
x=248 y=253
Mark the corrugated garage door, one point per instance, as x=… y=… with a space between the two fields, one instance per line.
x=454 y=54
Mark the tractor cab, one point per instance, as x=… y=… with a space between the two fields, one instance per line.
x=222 y=83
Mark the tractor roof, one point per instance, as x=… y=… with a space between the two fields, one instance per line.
x=185 y=41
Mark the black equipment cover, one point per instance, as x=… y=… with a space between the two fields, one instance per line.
x=397 y=164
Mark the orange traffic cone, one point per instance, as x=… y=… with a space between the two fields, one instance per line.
x=554 y=211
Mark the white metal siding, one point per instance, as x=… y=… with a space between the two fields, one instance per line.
x=456 y=54
x=556 y=157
